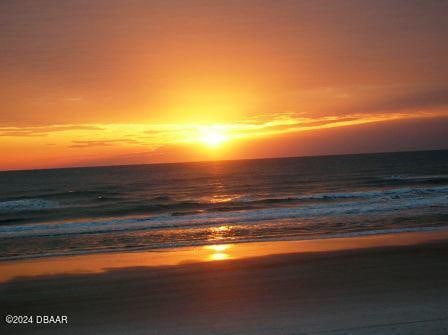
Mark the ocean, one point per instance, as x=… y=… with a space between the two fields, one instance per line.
x=86 y=210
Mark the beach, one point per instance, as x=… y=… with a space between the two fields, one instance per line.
x=390 y=284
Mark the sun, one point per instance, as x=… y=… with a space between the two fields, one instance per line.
x=213 y=136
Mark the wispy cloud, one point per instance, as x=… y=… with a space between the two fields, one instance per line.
x=45 y=130
x=411 y=99
x=101 y=143
x=159 y=135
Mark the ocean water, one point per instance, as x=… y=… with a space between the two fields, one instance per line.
x=82 y=210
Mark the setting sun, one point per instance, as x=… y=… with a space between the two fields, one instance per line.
x=213 y=136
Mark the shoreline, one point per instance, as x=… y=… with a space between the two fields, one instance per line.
x=360 y=234
x=101 y=261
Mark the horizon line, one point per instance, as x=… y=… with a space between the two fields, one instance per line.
x=222 y=160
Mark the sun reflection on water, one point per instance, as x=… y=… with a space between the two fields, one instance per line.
x=217 y=234
x=217 y=199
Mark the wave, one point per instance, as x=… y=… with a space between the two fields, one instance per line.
x=27 y=205
x=118 y=206
x=361 y=204
x=420 y=178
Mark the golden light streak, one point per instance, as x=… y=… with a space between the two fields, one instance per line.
x=66 y=144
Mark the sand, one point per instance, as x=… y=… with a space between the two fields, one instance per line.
x=401 y=289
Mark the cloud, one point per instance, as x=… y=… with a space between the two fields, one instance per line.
x=155 y=136
x=101 y=143
x=429 y=98
x=384 y=99
x=275 y=124
x=44 y=130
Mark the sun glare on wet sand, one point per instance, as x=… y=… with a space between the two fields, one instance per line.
x=218 y=251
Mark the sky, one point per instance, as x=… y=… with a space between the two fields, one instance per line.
x=106 y=82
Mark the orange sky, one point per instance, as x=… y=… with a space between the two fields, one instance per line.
x=119 y=82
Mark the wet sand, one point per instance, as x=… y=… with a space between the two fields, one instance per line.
x=381 y=288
